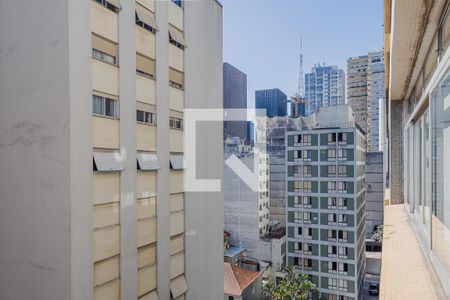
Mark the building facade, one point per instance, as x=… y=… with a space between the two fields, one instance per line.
x=234 y=96
x=98 y=210
x=325 y=208
x=324 y=86
x=273 y=100
x=418 y=74
x=365 y=89
x=374 y=192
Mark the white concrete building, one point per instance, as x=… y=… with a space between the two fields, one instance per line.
x=93 y=96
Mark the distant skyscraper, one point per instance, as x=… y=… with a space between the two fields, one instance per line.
x=273 y=100
x=324 y=86
x=234 y=96
x=297 y=107
x=365 y=88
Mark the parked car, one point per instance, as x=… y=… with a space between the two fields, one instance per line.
x=374 y=289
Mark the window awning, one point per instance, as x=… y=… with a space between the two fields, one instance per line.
x=178 y=286
x=177 y=162
x=150 y=296
x=177 y=36
x=147 y=162
x=146 y=18
x=116 y=3
x=108 y=161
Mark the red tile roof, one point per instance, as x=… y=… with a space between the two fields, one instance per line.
x=236 y=279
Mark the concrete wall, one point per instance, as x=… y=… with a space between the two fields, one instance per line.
x=204 y=211
x=396 y=151
x=374 y=191
x=44 y=157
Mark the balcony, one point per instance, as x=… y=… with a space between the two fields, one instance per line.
x=405 y=273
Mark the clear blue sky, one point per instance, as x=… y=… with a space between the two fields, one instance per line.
x=262 y=37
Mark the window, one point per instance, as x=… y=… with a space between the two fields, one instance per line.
x=103 y=106
x=308 y=233
x=175 y=123
x=342 y=203
x=332 y=267
x=299 y=231
x=342 y=220
x=178 y=2
x=342 y=285
x=331 y=138
x=342 y=137
x=343 y=268
x=297 y=201
x=342 y=171
x=331 y=171
x=176 y=38
x=307 y=264
x=343 y=235
x=307 y=186
x=332 y=251
x=145 y=19
x=297 y=140
x=331 y=235
x=342 y=154
x=104 y=50
x=331 y=154
x=145 y=117
x=331 y=203
x=332 y=283
x=331 y=219
x=306 y=217
x=342 y=187
x=145 y=66
x=307 y=140
x=176 y=78
x=307 y=202
x=297 y=186
x=297 y=247
x=307 y=249
x=297 y=217
x=107 y=161
x=331 y=186
x=343 y=252
x=112 y=5
x=297 y=155
x=307 y=155
x=307 y=171
x=297 y=171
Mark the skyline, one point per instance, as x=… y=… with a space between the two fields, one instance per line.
x=357 y=29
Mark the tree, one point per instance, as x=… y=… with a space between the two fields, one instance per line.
x=294 y=286
x=377 y=236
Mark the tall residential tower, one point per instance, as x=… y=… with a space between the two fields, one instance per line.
x=324 y=86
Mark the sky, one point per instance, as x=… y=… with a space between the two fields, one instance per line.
x=262 y=37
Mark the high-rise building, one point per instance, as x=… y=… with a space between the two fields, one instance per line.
x=418 y=116
x=325 y=203
x=324 y=86
x=297 y=107
x=273 y=100
x=365 y=88
x=234 y=96
x=91 y=160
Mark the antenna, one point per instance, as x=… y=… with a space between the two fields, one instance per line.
x=301 y=79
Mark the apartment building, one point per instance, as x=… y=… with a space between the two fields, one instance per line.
x=326 y=205
x=417 y=55
x=324 y=86
x=365 y=90
x=92 y=166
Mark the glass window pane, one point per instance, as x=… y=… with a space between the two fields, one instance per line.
x=97 y=105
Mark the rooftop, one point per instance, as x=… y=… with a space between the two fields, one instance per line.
x=405 y=271
x=236 y=279
x=233 y=251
